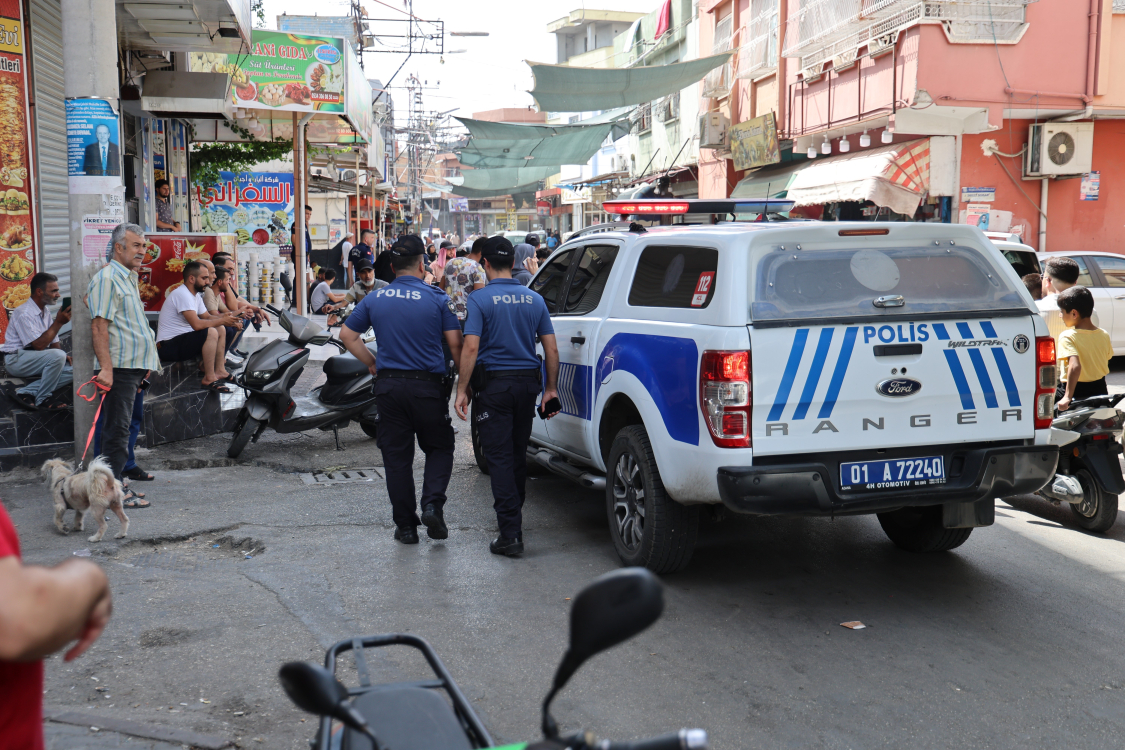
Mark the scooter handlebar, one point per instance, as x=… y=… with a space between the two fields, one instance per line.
x=685 y=739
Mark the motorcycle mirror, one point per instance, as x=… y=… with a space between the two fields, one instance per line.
x=316 y=690
x=613 y=608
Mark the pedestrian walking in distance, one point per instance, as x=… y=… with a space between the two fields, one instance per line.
x=500 y=363
x=410 y=319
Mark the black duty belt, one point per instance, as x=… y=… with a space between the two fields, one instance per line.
x=493 y=374
x=431 y=377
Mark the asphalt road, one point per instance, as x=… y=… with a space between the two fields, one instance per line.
x=1013 y=640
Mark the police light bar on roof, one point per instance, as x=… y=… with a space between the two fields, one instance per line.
x=664 y=206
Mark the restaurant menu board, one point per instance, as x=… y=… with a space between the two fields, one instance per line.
x=17 y=223
x=255 y=206
x=166 y=255
x=290 y=72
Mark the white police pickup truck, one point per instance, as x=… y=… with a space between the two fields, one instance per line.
x=795 y=368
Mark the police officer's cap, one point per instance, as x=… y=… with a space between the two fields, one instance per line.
x=532 y=239
x=408 y=244
x=499 y=248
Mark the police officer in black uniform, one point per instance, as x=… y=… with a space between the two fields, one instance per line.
x=410 y=319
x=502 y=322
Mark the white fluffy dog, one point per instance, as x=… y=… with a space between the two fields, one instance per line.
x=91 y=492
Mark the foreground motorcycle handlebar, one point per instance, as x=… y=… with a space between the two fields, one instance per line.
x=685 y=739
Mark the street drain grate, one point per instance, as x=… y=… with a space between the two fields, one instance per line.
x=343 y=476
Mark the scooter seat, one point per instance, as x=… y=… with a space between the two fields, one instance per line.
x=343 y=367
x=408 y=718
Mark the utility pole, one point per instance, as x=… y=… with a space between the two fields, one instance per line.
x=89 y=72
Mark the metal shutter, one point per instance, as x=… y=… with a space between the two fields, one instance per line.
x=50 y=135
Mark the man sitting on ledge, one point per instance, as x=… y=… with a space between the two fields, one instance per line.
x=186 y=330
x=32 y=349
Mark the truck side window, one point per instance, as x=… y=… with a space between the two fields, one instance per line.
x=548 y=282
x=675 y=277
x=590 y=278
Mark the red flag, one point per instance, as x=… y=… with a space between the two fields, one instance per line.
x=664 y=22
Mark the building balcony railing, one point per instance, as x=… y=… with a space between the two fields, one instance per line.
x=758 y=56
x=832 y=30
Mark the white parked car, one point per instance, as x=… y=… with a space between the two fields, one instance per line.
x=1104 y=274
x=800 y=368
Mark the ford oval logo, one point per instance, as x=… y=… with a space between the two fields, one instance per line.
x=896 y=387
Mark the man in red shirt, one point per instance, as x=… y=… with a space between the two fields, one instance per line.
x=41 y=611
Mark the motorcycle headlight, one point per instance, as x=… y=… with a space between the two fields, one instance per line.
x=261 y=374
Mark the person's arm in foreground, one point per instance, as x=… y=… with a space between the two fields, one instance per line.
x=43 y=609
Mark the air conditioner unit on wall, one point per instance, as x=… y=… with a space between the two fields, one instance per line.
x=713 y=130
x=1059 y=148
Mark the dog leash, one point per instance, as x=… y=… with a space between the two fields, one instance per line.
x=94 y=425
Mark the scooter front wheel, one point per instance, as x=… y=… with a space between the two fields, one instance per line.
x=370 y=429
x=243 y=431
x=1098 y=509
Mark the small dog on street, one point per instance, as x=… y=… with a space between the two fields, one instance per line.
x=91 y=492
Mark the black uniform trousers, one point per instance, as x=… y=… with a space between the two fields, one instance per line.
x=409 y=409
x=505 y=410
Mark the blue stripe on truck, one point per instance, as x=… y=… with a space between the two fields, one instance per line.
x=839 y=373
x=789 y=375
x=813 y=380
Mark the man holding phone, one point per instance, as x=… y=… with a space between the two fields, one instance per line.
x=501 y=324
x=32 y=349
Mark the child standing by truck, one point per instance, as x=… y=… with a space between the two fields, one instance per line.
x=1084 y=350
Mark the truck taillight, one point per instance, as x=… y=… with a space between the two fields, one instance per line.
x=1046 y=377
x=724 y=396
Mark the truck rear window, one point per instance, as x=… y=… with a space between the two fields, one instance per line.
x=843 y=283
x=675 y=277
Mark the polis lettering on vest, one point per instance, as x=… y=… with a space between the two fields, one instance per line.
x=388 y=292
x=512 y=299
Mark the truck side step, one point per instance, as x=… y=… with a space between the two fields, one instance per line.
x=557 y=464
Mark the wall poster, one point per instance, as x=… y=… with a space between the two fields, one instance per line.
x=93 y=147
x=17 y=221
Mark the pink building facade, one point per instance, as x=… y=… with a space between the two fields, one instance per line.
x=964 y=80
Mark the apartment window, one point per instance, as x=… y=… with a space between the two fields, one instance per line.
x=669 y=107
x=717 y=83
x=642 y=118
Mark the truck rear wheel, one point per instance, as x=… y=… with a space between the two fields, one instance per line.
x=920 y=529
x=648 y=527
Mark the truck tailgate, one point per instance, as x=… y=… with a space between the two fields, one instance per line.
x=887 y=384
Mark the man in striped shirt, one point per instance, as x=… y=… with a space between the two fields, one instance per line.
x=123 y=341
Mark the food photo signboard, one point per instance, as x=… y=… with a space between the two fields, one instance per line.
x=17 y=223
x=289 y=72
x=166 y=254
x=255 y=206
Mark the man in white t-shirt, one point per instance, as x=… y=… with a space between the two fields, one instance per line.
x=186 y=330
x=323 y=297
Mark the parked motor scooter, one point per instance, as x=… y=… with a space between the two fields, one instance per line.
x=414 y=716
x=272 y=371
x=1088 y=476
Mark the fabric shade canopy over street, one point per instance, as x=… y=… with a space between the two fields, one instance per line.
x=497 y=144
x=895 y=176
x=561 y=88
x=466 y=192
x=505 y=178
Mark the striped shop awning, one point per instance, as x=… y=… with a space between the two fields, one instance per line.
x=895 y=176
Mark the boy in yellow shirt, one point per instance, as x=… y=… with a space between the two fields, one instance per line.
x=1084 y=349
